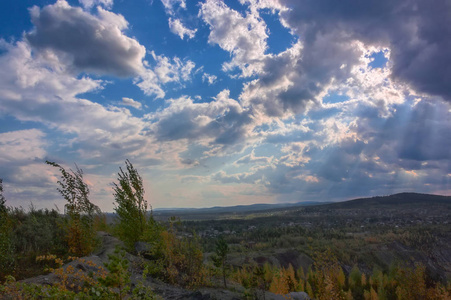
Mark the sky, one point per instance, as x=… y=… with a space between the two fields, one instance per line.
x=220 y=103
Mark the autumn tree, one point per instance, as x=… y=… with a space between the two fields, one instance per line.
x=355 y=283
x=328 y=279
x=131 y=207
x=80 y=211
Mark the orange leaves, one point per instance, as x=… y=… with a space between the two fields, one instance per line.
x=80 y=236
x=181 y=260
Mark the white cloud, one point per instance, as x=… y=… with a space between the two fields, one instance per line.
x=22 y=154
x=176 y=27
x=28 y=80
x=293 y=81
x=255 y=5
x=86 y=42
x=22 y=146
x=34 y=89
x=383 y=137
x=209 y=78
x=170 y=5
x=88 y=4
x=150 y=84
x=165 y=71
x=98 y=44
x=244 y=37
x=130 y=102
x=175 y=71
x=252 y=159
x=295 y=154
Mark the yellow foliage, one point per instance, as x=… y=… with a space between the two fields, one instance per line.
x=279 y=284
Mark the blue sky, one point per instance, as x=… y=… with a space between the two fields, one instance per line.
x=226 y=103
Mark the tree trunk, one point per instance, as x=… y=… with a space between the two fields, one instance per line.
x=224 y=274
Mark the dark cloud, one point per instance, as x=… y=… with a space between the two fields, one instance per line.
x=408 y=151
x=419 y=133
x=416 y=31
x=87 y=42
x=222 y=121
x=427 y=134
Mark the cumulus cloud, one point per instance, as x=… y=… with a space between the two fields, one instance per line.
x=168 y=71
x=75 y=40
x=287 y=83
x=243 y=36
x=164 y=71
x=130 y=102
x=34 y=89
x=88 y=4
x=176 y=27
x=335 y=42
x=28 y=81
x=384 y=135
x=292 y=81
x=85 y=42
x=222 y=121
x=413 y=31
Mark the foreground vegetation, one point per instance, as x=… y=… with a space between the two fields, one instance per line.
x=239 y=254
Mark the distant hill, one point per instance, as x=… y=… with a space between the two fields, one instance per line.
x=362 y=203
x=232 y=209
x=393 y=200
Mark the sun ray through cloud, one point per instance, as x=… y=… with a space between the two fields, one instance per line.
x=222 y=102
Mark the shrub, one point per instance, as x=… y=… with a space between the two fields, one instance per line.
x=118 y=276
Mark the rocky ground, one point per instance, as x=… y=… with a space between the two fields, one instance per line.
x=162 y=289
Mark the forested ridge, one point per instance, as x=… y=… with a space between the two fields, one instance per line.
x=328 y=252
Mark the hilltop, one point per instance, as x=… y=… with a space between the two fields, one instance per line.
x=392 y=201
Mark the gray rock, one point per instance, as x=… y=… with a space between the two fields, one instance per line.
x=142 y=248
x=291 y=296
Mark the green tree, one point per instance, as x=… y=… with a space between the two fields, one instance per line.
x=81 y=233
x=6 y=245
x=118 y=276
x=2 y=199
x=220 y=257
x=131 y=208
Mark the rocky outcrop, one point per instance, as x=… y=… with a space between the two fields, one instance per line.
x=90 y=264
